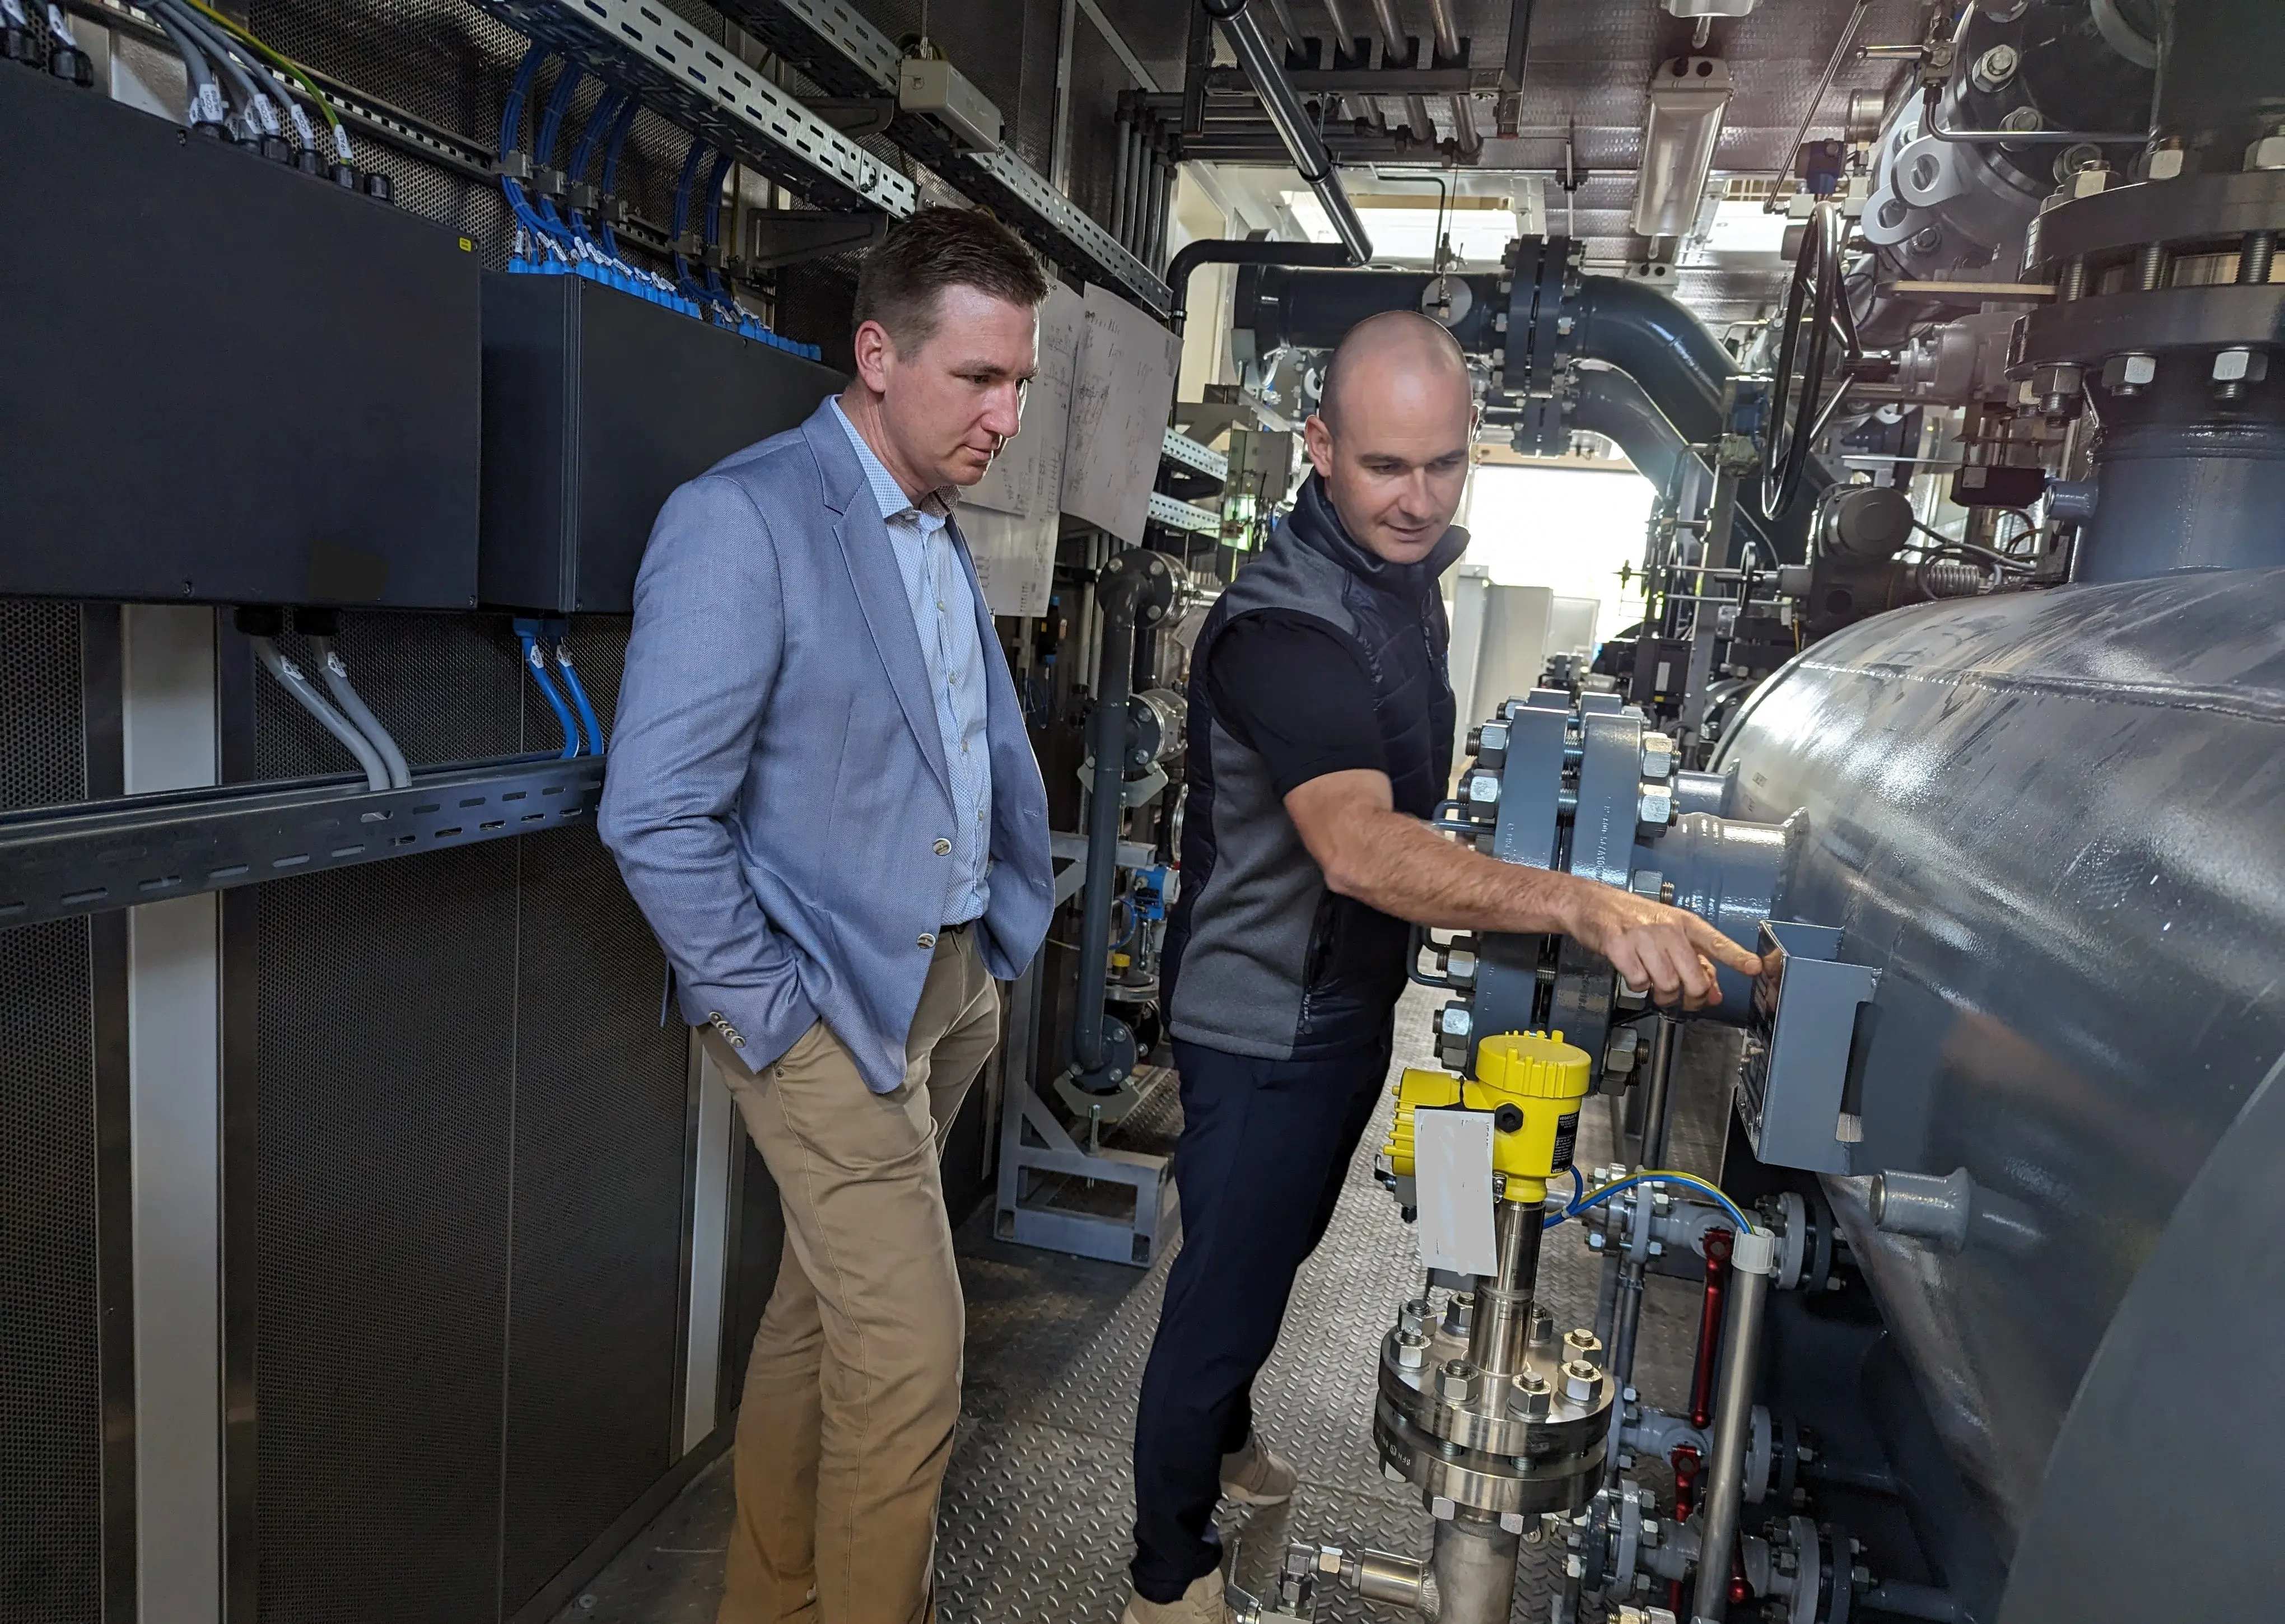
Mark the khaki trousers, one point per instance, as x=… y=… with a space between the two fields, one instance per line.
x=853 y=1386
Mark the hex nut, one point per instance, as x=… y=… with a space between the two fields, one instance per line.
x=1995 y=67
x=1657 y=804
x=1443 y=1509
x=2056 y=378
x=1414 y=1316
x=1533 y=1396
x=1484 y=787
x=2131 y=370
x=1657 y=755
x=2268 y=152
x=2166 y=163
x=2088 y=181
x=1411 y=1350
x=2240 y=365
x=1542 y=1326
x=1455 y=1020
x=1583 y=1384
x=1458 y=1382
x=1582 y=1343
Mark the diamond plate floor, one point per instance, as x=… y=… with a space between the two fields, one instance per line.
x=1037 y=1509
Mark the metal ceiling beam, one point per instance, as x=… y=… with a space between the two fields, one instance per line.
x=846 y=56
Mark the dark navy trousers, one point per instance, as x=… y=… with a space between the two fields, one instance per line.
x=1265 y=1147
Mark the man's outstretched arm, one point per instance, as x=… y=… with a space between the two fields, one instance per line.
x=1370 y=851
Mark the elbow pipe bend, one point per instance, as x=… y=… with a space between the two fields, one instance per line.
x=1680 y=366
x=1221 y=252
x=1610 y=403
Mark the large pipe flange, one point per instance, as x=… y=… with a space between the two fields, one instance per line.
x=1518 y=1444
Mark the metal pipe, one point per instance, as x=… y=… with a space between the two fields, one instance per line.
x=1930 y=125
x=1158 y=186
x=1658 y=1093
x=1222 y=252
x=1823 y=83
x=1122 y=194
x=1474 y=1569
x=1732 y=1418
x=1501 y=1331
x=1106 y=743
x=1345 y=32
x=1294 y=126
x=1448 y=55
x=1718 y=1243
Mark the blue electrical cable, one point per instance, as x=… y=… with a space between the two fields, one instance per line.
x=682 y=278
x=527 y=634
x=1579 y=1203
x=576 y=172
x=543 y=235
x=551 y=125
x=579 y=693
x=611 y=169
x=720 y=294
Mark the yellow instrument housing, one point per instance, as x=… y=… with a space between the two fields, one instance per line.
x=1529 y=1083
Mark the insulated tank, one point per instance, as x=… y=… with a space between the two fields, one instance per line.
x=2055 y=821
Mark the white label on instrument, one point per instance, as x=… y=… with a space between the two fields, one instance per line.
x=1452 y=1170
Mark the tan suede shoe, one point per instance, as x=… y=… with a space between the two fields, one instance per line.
x=1201 y=1604
x=1258 y=1475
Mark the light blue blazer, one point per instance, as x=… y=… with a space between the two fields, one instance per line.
x=776 y=786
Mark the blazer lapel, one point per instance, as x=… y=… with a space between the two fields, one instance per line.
x=872 y=562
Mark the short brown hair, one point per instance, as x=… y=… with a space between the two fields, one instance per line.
x=939 y=248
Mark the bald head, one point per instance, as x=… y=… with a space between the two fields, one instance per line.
x=1390 y=437
x=1398 y=349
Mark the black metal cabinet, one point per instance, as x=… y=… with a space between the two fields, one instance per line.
x=597 y=405
x=223 y=379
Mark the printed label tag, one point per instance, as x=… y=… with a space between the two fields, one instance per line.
x=1452 y=1169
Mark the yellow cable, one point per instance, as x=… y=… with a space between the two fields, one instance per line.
x=285 y=62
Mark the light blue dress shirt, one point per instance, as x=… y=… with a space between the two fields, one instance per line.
x=943 y=613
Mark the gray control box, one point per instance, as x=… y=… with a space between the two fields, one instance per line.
x=1792 y=1084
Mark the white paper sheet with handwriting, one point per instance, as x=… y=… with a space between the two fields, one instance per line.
x=1124 y=388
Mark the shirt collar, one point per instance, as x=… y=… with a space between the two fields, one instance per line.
x=887 y=495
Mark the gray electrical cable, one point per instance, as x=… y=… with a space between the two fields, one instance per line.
x=198 y=72
x=291 y=678
x=336 y=674
x=249 y=96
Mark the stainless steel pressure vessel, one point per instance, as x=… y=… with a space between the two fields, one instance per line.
x=2056 y=822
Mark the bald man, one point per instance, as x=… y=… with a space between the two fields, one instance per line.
x=1321 y=738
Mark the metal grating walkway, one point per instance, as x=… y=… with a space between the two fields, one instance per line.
x=1035 y=1523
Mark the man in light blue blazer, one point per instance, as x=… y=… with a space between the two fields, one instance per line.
x=823 y=797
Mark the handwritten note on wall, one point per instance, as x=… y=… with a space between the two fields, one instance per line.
x=1121 y=396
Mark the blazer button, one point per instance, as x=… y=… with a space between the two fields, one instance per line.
x=928 y=938
x=942 y=848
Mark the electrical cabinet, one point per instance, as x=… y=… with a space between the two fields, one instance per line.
x=223 y=379
x=597 y=405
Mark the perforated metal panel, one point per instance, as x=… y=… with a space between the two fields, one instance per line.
x=51 y=1395
x=42 y=751
x=471 y=1144
x=594 y=1298
x=388 y=1031
x=50 y=1401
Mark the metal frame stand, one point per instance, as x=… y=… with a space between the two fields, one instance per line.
x=1036 y=1148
